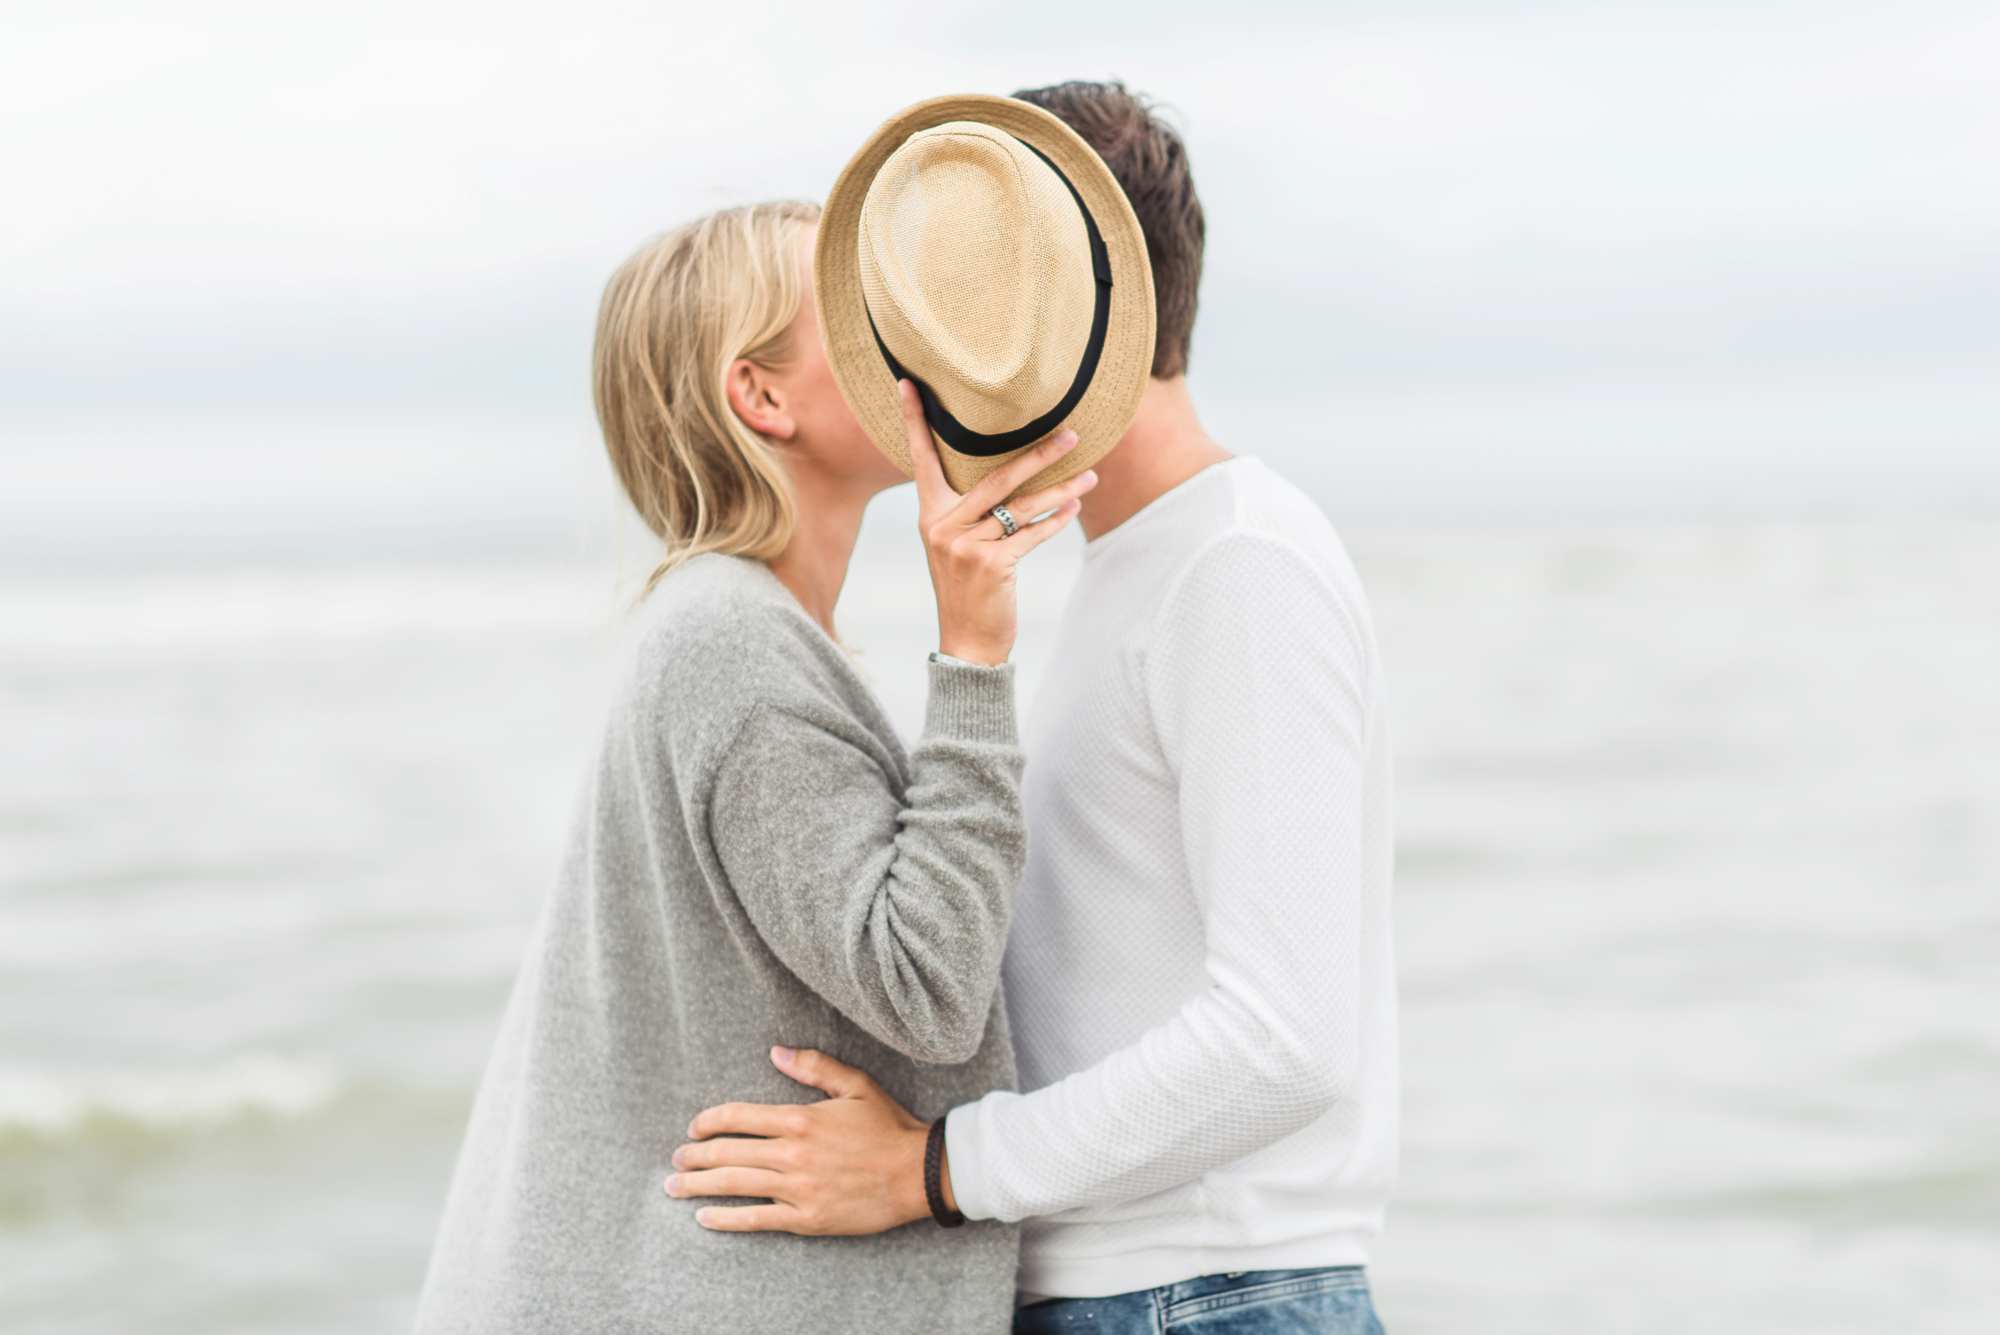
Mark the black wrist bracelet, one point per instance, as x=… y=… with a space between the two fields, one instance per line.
x=934 y=1178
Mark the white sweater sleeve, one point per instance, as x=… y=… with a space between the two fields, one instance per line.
x=1257 y=680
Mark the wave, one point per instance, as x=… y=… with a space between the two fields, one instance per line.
x=197 y=610
x=44 y=1108
x=1946 y=1193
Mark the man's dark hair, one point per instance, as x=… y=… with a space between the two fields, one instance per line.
x=1150 y=162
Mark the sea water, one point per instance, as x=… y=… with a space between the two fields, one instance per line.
x=1698 y=917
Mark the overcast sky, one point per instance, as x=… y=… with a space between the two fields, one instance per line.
x=271 y=267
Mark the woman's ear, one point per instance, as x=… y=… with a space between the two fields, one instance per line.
x=758 y=401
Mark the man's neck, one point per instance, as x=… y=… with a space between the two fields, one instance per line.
x=1165 y=446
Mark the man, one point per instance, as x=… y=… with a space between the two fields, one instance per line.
x=1199 y=977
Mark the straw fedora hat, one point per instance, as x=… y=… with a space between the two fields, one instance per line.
x=977 y=246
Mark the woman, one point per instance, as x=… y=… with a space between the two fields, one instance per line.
x=756 y=859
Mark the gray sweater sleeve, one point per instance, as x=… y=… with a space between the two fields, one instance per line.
x=891 y=903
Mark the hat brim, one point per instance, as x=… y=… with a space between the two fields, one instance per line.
x=1108 y=405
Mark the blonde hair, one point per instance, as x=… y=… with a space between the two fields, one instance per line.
x=674 y=318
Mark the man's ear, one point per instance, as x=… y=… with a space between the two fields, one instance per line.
x=758 y=401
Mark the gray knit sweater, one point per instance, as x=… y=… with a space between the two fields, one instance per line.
x=756 y=860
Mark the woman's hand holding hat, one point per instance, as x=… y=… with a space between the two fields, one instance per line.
x=972 y=554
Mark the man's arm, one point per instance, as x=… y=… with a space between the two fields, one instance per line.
x=1258 y=686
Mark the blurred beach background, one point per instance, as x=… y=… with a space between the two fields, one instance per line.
x=1645 y=355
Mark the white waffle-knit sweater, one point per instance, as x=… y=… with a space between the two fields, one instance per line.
x=1199 y=979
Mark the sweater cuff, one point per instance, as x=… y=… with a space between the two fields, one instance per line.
x=971 y=702
x=965 y=1162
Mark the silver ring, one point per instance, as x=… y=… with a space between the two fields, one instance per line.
x=1006 y=518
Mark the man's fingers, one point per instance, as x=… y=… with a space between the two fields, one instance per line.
x=751 y=1219
x=725 y=1182
x=822 y=1072
x=731 y=1152
x=1003 y=481
x=932 y=488
x=747 y=1119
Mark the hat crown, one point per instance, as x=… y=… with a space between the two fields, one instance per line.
x=975 y=266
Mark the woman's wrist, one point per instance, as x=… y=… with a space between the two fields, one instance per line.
x=972 y=655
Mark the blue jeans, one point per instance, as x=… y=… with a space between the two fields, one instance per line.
x=1332 y=1300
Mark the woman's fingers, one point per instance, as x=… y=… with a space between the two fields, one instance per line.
x=1002 y=482
x=1043 y=501
x=1032 y=536
x=933 y=491
x=725 y=1182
